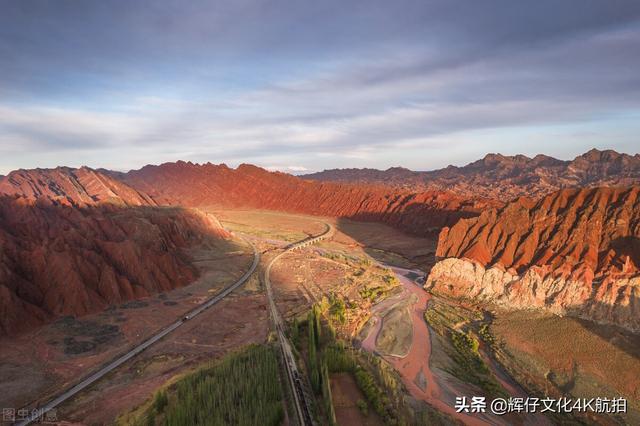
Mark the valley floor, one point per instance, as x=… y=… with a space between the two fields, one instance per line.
x=376 y=272
x=39 y=364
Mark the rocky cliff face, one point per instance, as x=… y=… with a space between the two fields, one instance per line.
x=575 y=251
x=505 y=177
x=75 y=241
x=249 y=186
x=74 y=187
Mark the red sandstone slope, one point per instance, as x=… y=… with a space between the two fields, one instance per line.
x=73 y=241
x=505 y=177
x=598 y=229
x=249 y=186
x=60 y=260
x=79 y=187
x=574 y=250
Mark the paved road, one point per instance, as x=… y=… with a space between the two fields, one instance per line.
x=300 y=399
x=36 y=414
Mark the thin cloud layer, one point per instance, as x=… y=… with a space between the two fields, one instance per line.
x=334 y=84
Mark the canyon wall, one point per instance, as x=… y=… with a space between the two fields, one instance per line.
x=576 y=251
x=252 y=187
x=73 y=242
x=76 y=240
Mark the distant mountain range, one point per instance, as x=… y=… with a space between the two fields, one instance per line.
x=500 y=176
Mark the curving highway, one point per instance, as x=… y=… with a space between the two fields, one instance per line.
x=300 y=399
x=38 y=413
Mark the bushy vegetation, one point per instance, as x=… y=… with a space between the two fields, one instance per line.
x=160 y=401
x=377 y=380
x=373 y=293
x=337 y=309
x=390 y=278
x=468 y=362
x=338 y=359
x=326 y=354
x=347 y=259
x=373 y=281
x=376 y=397
x=468 y=365
x=241 y=389
x=486 y=335
x=359 y=272
x=363 y=407
x=316 y=364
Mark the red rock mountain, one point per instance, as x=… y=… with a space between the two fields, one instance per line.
x=78 y=187
x=576 y=250
x=75 y=241
x=249 y=186
x=505 y=177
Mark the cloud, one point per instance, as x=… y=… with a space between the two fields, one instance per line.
x=288 y=169
x=311 y=85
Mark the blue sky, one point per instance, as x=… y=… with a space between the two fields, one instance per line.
x=303 y=86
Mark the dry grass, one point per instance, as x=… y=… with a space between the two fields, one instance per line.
x=568 y=355
x=270 y=225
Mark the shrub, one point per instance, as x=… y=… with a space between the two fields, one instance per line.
x=337 y=309
x=470 y=366
x=362 y=405
x=160 y=401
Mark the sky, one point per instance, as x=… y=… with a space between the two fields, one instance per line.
x=302 y=86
